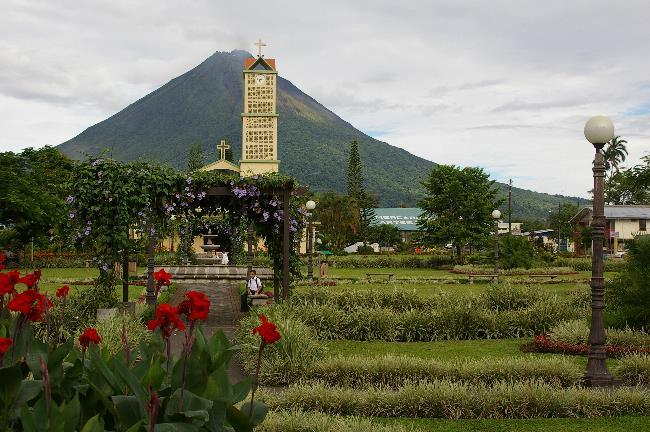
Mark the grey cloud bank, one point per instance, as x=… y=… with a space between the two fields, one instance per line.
x=501 y=84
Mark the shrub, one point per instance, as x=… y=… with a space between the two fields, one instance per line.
x=396 y=261
x=111 y=331
x=584 y=264
x=475 y=269
x=81 y=309
x=285 y=360
x=455 y=321
x=577 y=332
x=505 y=296
x=516 y=252
x=395 y=371
x=634 y=370
x=629 y=294
x=444 y=399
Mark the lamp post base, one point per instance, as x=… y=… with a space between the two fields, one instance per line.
x=601 y=380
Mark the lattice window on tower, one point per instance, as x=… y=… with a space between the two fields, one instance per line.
x=259 y=107
x=260 y=144
x=259 y=93
x=259 y=122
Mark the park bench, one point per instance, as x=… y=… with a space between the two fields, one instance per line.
x=472 y=276
x=258 y=299
x=389 y=276
x=550 y=276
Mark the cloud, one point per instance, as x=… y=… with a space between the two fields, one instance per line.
x=498 y=84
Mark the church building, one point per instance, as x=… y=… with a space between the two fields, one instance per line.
x=259 y=120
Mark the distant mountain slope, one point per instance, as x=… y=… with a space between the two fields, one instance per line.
x=205 y=103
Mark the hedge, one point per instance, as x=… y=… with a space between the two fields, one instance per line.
x=395 y=371
x=394 y=261
x=444 y=399
x=584 y=264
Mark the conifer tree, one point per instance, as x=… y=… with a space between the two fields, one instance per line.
x=365 y=202
x=195 y=158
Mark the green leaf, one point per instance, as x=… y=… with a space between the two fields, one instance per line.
x=134 y=385
x=95 y=424
x=218 y=386
x=238 y=420
x=136 y=427
x=10 y=381
x=193 y=407
x=35 y=419
x=176 y=427
x=28 y=391
x=97 y=361
x=128 y=410
x=260 y=410
x=72 y=414
x=240 y=390
x=36 y=351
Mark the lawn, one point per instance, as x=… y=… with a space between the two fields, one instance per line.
x=53 y=278
x=451 y=350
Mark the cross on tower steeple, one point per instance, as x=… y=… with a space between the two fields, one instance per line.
x=259 y=44
x=222 y=147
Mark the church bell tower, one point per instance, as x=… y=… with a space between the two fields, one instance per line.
x=260 y=118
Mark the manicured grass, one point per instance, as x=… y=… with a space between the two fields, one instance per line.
x=53 y=278
x=445 y=350
x=398 y=272
x=602 y=424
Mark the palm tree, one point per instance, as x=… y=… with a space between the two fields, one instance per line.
x=614 y=154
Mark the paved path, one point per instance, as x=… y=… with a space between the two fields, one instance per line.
x=224 y=315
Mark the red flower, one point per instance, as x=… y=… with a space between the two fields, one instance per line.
x=268 y=331
x=162 y=277
x=30 y=279
x=3 y=257
x=5 y=343
x=166 y=319
x=8 y=282
x=89 y=335
x=63 y=291
x=30 y=304
x=196 y=306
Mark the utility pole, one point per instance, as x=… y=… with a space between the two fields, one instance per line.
x=510 y=207
x=559 y=225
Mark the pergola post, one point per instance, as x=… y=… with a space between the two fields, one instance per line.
x=286 y=209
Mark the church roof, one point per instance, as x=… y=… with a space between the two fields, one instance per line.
x=251 y=63
x=221 y=165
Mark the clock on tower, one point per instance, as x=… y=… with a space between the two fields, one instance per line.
x=259 y=119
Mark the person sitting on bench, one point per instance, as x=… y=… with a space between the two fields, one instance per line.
x=253 y=284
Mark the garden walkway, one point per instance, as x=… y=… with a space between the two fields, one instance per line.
x=224 y=315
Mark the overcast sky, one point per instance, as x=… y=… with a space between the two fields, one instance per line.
x=506 y=85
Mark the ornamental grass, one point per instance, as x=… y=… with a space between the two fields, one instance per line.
x=445 y=399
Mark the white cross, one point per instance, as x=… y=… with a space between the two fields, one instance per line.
x=259 y=44
x=222 y=147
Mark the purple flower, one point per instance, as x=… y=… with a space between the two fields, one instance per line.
x=72 y=214
x=105 y=267
x=265 y=215
x=152 y=231
x=274 y=203
x=201 y=195
x=69 y=199
x=189 y=180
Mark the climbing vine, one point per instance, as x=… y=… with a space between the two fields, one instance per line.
x=109 y=199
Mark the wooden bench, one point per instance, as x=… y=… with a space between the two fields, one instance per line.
x=390 y=276
x=550 y=276
x=472 y=276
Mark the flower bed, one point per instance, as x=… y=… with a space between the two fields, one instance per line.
x=467 y=269
x=544 y=344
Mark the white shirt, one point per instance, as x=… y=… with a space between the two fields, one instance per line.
x=254 y=285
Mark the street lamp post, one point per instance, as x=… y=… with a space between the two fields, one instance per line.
x=310 y=205
x=496 y=214
x=598 y=131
